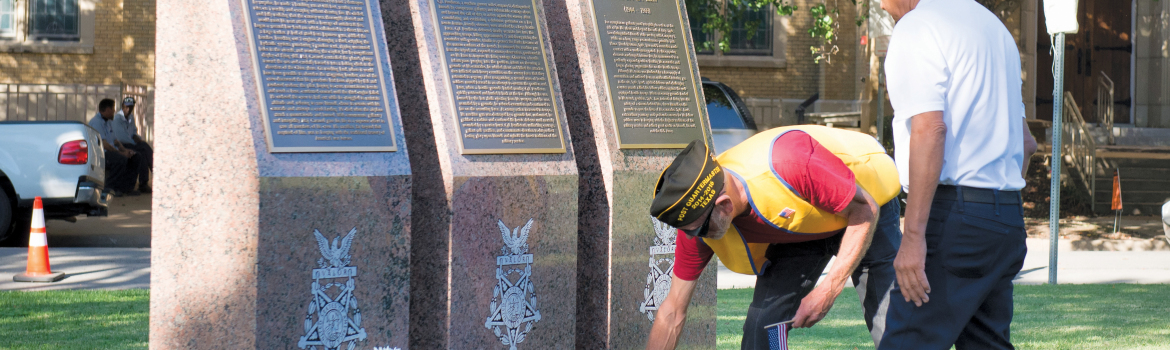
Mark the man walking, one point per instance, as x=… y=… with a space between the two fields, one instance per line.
x=961 y=140
x=126 y=131
x=119 y=167
x=779 y=206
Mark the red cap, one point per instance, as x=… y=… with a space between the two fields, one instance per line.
x=37 y=203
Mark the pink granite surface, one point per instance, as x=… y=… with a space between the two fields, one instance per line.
x=615 y=189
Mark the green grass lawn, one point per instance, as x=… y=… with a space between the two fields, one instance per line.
x=74 y=319
x=1110 y=316
x=1100 y=316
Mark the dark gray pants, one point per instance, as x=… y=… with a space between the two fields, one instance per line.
x=794 y=268
x=973 y=251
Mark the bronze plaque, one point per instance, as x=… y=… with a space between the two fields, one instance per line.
x=648 y=58
x=502 y=88
x=323 y=75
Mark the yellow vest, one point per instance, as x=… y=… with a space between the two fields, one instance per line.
x=770 y=195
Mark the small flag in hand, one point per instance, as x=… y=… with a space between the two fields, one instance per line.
x=778 y=335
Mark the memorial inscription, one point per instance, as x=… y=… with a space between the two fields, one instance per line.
x=320 y=69
x=653 y=86
x=501 y=81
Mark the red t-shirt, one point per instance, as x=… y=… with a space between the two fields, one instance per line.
x=814 y=173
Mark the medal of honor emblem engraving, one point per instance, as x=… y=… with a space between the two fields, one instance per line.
x=661 y=265
x=513 y=307
x=334 y=325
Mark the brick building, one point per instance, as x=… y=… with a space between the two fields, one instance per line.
x=775 y=74
x=59 y=58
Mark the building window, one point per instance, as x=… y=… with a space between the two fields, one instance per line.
x=53 y=20
x=47 y=26
x=7 y=19
x=756 y=23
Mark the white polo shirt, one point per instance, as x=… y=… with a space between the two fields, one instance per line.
x=955 y=56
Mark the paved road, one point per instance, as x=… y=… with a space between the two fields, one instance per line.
x=127 y=226
x=1073 y=267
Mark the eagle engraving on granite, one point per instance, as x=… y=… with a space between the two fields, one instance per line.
x=516 y=239
x=336 y=255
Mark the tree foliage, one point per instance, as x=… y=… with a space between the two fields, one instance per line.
x=721 y=16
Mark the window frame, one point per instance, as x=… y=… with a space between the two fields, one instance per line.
x=23 y=40
x=777 y=59
x=12 y=13
x=31 y=17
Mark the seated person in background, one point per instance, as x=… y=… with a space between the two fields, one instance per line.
x=126 y=132
x=119 y=166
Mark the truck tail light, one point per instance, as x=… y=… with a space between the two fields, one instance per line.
x=74 y=152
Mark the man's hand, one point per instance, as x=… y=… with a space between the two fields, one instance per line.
x=910 y=266
x=862 y=213
x=816 y=305
x=928 y=134
x=672 y=314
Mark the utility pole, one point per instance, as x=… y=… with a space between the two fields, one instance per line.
x=1061 y=18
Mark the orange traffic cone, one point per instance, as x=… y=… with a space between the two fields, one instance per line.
x=38 y=269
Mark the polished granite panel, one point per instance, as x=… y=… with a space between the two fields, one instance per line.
x=364 y=224
x=530 y=298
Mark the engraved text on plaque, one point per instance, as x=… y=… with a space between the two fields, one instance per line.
x=321 y=69
x=501 y=80
x=653 y=86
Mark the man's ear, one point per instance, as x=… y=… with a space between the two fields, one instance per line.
x=723 y=204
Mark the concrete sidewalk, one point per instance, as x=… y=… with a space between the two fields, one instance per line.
x=127 y=268
x=85 y=268
x=1073 y=267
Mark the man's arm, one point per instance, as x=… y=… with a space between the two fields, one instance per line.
x=1029 y=149
x=672 y=314
x=862 y=213
x=928 y=135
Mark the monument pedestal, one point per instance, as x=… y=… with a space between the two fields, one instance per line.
x=499 y=258
x=638 y=95
x=281 y=215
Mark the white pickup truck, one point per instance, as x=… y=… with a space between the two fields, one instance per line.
x=60 y=161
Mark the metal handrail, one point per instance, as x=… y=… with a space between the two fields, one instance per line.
x=1105 y=108
x=1079 y=148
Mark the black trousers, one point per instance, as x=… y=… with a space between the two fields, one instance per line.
x=794 y=268
x=144 y=157
x=973 y=251
x=120 y=172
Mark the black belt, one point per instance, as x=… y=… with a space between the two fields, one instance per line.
x=976 y=195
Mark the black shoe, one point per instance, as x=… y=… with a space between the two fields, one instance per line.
x=144 y=189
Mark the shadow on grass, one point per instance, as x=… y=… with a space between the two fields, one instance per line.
x=1097 y=316
x=74 y=319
